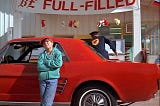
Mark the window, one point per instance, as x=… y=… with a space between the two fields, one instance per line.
x=33 y=55
x=25 y=52
x=64 y=55
x=14 y=52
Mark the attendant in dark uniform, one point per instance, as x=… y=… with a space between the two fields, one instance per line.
x=98 y=42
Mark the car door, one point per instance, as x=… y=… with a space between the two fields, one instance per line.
x=18 y=79
x=19 y=75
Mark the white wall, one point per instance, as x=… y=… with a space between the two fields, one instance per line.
x=31 y=24
x=6 y=21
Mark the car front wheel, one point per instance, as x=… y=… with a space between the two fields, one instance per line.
x=94 y=96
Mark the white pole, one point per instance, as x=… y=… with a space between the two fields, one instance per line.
x=17 y=21
x=137 y=47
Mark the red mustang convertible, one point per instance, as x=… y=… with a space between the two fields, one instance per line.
x=87 y=79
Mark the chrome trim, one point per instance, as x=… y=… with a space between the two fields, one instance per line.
x=61 y=85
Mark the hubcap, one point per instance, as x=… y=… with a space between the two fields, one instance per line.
x=95 y=98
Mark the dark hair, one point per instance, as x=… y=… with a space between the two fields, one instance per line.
x=94 y=33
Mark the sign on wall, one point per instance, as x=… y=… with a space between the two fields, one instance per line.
x=76 y=7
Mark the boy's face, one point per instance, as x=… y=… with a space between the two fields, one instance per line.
x=47 y=43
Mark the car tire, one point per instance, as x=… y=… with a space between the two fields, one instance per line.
x=94 y=96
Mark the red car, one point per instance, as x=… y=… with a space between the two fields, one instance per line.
x=87 y=79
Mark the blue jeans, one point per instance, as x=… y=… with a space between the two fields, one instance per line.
x=48 y=91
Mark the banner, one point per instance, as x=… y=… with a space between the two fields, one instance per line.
x=76 y=7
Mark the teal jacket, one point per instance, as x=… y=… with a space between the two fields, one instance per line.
x=49 y=65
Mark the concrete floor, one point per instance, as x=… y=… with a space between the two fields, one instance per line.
x=152 y=102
